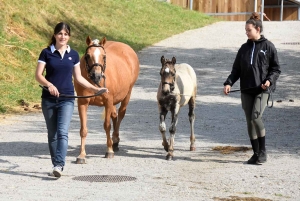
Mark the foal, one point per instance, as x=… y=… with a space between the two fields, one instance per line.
x=177 y=88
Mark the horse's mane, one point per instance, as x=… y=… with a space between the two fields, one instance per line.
x=168 y=61
x=95 y=42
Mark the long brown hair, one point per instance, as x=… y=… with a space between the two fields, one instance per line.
x=255 y=21
x=60 y=26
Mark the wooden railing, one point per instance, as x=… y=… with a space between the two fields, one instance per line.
x=240 y=10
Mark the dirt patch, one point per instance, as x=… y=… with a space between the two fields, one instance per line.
x=230 y=149
x=22 y=109
x=235 y=198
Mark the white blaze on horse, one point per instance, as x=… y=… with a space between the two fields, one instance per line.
x=177 y=88
x=115 y=66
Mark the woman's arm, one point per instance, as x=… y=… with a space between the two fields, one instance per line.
x=39 y=75
x=43 y=81
x=274 y=67
x=83 y=82
x=235 y=72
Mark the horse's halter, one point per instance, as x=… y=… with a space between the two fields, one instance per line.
x=163 y=71
x=89 y=68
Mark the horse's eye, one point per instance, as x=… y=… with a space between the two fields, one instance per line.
x=87 y=56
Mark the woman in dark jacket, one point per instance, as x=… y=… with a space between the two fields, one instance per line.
x=257 y=67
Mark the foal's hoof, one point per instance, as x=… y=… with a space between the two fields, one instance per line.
x=166 y=148
x=165 y=145
x=115 y=146
x=109 y=155
x=80 y=161
x=169 y=157
x=192 y=148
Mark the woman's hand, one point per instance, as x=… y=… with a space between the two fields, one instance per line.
x=266 y=85
x=53 y=90
x=96 y=90
x=226 y=89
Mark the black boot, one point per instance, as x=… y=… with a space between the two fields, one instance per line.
x=262 y=155
x=255 y=147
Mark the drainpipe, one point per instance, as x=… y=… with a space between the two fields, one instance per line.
x=281 y=10
x=299 y=13
x=191 y=4
x=255 y=6
x=262 y=10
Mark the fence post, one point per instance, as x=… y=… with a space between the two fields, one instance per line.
x=191 y=4
x=262 y=10
x=281 y=10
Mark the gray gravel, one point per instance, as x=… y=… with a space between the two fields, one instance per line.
x=201 y=175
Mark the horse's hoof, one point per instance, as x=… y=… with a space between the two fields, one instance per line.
x=166 y=148
x=109 y=155
x=115 y=146
x=192 y=148
x=169 y=157
x=80 y=161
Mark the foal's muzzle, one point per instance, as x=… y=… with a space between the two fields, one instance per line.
x=168 y=90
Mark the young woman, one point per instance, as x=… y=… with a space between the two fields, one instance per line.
x=61 y=63
x=256 y=65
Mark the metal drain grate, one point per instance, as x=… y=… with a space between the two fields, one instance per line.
x=291 y=43
x=104 y=178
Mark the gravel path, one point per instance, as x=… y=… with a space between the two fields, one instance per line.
x=201 y=175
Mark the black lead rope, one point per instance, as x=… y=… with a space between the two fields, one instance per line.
x=243 y=89
x=270 y=95
x=71 y=96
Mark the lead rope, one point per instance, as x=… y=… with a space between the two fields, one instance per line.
x=71 y=96
x=270 y=95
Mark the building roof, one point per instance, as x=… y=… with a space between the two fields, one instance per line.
x=294 y=1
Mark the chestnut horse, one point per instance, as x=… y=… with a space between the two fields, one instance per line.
x=177 y=88
x=113 y=65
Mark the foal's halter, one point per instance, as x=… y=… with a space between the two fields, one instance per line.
x=89 y=68
x=171 y=84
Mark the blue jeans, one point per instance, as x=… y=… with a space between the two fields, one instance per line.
x=58 y=115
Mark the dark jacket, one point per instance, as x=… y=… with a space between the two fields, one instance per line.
x=256 y=62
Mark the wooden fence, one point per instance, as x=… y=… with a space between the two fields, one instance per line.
x=272 y=10
x=240 y=10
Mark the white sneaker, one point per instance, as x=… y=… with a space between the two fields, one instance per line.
x=57 y=171
x=50 y=174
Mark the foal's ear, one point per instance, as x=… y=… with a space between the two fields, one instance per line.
x=103 y=41
x=174 y=60
x=162 y=59
x=88 y=40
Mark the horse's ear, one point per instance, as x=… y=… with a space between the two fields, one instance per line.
x=103 y=41
x=174 y=60
x=88 y=40
x=162 y=59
